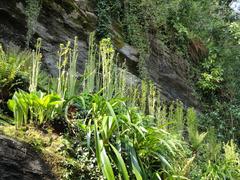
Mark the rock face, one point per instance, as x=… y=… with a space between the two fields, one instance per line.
x=60 y=20
x=18 y=161
x=170 y=71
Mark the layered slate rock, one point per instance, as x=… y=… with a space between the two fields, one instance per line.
x=60 y=20
x=170 y=71
x=18 y=161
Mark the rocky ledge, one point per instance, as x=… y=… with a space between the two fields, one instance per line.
x=18 y=161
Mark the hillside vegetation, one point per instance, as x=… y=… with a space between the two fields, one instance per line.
x=103 y=124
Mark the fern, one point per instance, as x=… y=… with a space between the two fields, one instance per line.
x=178 y=118
x=12 y=63
x=195 y=138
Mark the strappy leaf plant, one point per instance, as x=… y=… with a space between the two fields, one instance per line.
x=36 y=60
x=120 y=134
x=67 y=69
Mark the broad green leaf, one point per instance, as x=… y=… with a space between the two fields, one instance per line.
x=11 y=105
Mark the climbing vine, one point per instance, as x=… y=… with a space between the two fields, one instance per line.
x=32 y=11
x=128 y=15
x=107 y=12
x=136 y=32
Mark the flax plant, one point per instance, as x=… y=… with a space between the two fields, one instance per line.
x=99 y=78
x=67 y=69
x=91 y=66
x=121 y=82
x=72 y=71
x=134 y=94
x=107 y=57
x=144 y=96
x=178 y=118
x=62 y=71
x=152 y=99
x=170 y=112
x=103 y=74
x=161 y=113
x=36 y=58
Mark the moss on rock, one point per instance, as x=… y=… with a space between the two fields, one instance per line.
x=55 y=151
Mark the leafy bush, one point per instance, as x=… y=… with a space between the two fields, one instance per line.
x=212 y=76
x=14 y=69
x=224 y=167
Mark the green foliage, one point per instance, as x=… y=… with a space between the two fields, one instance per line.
x=107 y=11
x=39 y=107
x=176 y=25
x=212 y=75
x=136 y=32
x=226 y=166
x=231 y=62
x=235 y=30
x=12 y=63
x=224 y=117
